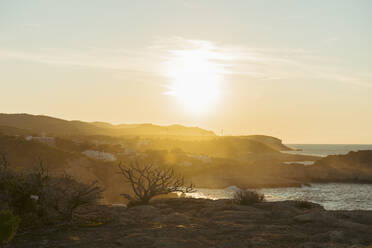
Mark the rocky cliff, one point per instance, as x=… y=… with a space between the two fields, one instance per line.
x=352 y=167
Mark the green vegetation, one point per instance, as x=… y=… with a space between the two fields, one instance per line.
x=40 y=199
x=246 y=197
x=303 y=204
x=8 y=225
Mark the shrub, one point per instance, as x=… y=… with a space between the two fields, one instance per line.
x=245 y=197
x=17 y=189
x=8 y=225
x=40 y=199
x=148 y=181
x=64 y=195
x=304 y=204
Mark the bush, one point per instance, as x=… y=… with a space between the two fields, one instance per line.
x=245 y=197
x=304 y=204
x=40 y=199
x=17 y=189
x=64 y=195
x=8 y=225
x=148 y=181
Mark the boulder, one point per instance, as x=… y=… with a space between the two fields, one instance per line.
x=145 y=211
x=316 y=216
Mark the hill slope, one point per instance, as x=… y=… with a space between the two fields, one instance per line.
x=351 y=167
x=53 y=126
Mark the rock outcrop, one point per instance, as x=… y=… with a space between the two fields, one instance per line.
x=205 y=223
x=352 y=167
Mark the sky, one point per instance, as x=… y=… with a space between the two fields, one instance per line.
x=295 y=69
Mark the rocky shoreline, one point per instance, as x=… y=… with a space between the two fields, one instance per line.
x=188 y=222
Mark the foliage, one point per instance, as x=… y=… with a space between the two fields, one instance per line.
x=304 y=204
x=8 y=225
x=16 y=189
x=246 y=197
x=148 y=181
x=40 y=199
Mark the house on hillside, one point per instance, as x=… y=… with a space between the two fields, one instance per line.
x=43 y=139
x=204 y=158
x=104 y=156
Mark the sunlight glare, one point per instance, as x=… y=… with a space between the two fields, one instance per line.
x=195 y=78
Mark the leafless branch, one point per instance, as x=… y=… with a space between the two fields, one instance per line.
x=148 y=181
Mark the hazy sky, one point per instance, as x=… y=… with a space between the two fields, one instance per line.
x=298 y=70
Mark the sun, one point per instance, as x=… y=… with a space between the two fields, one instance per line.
x=194 y=79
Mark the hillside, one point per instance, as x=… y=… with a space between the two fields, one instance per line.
x=14 y=131
x=272 y=142
x=22 y=153
x=53 y=126
x=351 y=167
x=25 y=124
x=208 y=160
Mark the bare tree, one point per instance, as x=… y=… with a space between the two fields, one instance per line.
x=148 y=181
x=65 y=195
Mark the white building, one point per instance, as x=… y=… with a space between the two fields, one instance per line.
x=203 y=158
x=43 y=139
x=104 y=156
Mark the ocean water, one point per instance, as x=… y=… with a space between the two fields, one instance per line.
x=324 y=150
x=333 y=196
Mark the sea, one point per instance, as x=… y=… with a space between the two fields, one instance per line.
x=324 y=150
x=333 y=196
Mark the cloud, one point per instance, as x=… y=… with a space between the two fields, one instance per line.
x=114 y=59
x=192 y=4
x=331 y=40
x=258 y=63
x=32 y=25
x=294 y=17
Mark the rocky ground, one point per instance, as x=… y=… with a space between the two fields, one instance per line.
x=205 y=223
